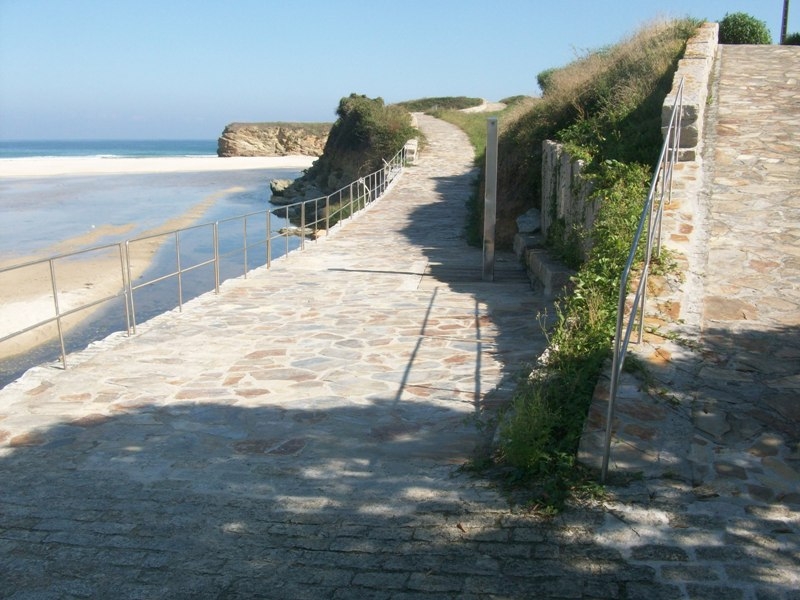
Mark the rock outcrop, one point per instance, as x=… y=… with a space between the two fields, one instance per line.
x=273 y=139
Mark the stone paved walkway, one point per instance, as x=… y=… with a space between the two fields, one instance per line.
x=299 y=435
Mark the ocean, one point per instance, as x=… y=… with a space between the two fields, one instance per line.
x=106 y=148
x=38 y=215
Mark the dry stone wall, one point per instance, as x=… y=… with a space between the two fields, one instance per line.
x=565 y=194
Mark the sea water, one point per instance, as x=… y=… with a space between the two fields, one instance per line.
x=37 y=213
x=106 y=148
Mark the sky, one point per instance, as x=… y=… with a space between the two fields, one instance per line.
x=183 y=69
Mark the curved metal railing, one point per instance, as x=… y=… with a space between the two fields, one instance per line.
x=313 y=217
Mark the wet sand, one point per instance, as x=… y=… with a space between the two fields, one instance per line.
x=27 y=298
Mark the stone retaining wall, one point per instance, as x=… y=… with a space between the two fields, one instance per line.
x=565 y=194
x=695 y=69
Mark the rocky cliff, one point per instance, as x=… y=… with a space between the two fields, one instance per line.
x=273 y=139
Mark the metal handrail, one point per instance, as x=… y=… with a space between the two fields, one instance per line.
x=58 y=313
x=659 y=194
x=349 y=196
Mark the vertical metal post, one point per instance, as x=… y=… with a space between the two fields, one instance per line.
x=303 y=226
x=244 y=230
x=54 y=285
x=490 y=199
x=178 y=265
x=130 y=284
x=785 y=21
x=215 y=243
x=125 y=288
x=286 y=234
x=269 y=239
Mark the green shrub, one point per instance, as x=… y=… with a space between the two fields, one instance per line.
x=366 y=132
x=741 y=28
x=793 y=39
x=544 y=79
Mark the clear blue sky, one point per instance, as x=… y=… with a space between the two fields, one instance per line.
x=130 y=69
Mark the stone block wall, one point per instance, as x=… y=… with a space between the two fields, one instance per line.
x=565 y=193
x=695 y=69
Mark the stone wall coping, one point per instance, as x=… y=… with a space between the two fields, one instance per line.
x=695 y=70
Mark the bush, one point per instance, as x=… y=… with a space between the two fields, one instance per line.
x=366 y=132
x=544 y=79
x=741 y=28
x=793 y=39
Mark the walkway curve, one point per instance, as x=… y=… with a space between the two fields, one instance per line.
x=298 y=435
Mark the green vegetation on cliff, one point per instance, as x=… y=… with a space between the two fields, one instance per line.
x=366 y=132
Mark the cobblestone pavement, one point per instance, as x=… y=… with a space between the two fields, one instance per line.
x=299 y=435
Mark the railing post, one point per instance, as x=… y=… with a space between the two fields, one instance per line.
x=316 y=216
x=490 y=200
x=125 y=288
x=269 y=239
x=130 y=284
x=54 y=286
x=286 y=235
x=244 y=246
x=328 y=212
x=215 y=242
x=302 y=226
x=180 y=275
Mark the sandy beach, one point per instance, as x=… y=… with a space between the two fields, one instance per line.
x=26 y=293
x=60 y=166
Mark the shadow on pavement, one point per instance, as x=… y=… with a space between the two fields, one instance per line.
x=216 y=501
